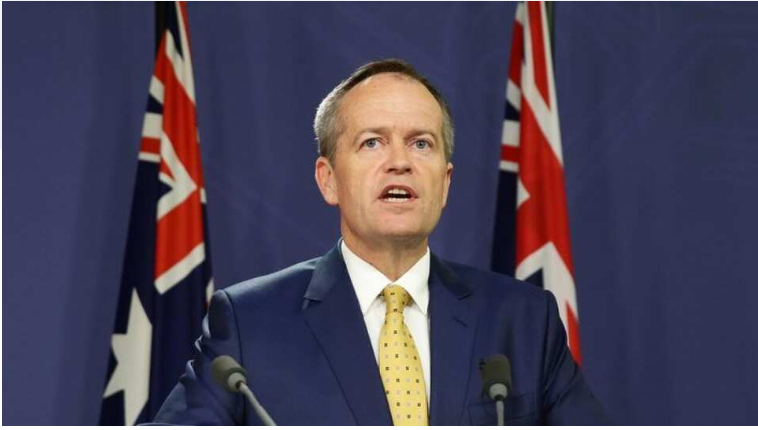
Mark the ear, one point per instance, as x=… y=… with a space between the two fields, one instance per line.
x=446 y=185
x=326 y=181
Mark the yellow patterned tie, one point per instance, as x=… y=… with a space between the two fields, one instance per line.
x=399 y=363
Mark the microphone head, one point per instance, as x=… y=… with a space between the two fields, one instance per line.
x=228 y=373
x=495 y=370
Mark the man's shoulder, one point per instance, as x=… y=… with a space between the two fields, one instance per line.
x=289 y=281
x=502 y=299
x=486 y=283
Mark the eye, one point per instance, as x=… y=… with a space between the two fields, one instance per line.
x=421 y=144
x=371 y=143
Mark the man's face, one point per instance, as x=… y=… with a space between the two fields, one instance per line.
x=390 y=178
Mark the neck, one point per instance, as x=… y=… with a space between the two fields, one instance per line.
x=393 y=257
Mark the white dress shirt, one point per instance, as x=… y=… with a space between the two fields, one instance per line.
x=369 y=282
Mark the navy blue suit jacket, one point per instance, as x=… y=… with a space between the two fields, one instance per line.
x=301 y=336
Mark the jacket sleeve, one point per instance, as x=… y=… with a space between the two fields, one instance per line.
x=197 y=399
x=567 y=398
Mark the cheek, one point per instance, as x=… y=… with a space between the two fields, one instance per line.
x=354 y=192
x=440 y=185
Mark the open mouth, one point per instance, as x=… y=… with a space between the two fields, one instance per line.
x=397 y=194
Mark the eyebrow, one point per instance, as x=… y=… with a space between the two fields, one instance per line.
x=385 y=130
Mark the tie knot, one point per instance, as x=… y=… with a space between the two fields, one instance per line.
x=395 y=298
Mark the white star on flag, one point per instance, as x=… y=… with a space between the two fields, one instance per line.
x=132 y=351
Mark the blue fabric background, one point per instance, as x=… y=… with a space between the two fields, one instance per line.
x=660 y=138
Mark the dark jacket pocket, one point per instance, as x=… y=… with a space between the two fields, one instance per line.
x=519 y=410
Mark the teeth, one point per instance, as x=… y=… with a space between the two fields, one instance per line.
x=396 y=195
x=398 y=191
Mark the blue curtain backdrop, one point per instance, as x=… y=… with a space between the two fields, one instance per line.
x=660 y=138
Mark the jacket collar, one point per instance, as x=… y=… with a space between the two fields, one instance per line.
x=451 y=339
x=333 y=314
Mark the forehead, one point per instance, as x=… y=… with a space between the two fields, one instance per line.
x=390 y=99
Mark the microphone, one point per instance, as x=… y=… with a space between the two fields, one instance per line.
x=233 y=378
x=496 y=382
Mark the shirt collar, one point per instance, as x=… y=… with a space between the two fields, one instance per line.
x=369 y=282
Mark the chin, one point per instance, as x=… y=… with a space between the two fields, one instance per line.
x=404 y=233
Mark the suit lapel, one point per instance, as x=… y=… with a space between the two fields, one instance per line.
x=333 y=314
x=453 y=326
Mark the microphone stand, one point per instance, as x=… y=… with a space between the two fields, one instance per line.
x=262 y=414
x=500 y=408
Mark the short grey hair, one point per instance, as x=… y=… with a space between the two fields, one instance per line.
x=327 y=123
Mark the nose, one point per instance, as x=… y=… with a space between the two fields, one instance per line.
x=398 y=161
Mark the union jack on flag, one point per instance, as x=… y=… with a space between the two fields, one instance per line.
x=166 y=279
x=531 y=189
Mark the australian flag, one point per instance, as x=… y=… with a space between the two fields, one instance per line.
x=166 y=279
x=532 y=232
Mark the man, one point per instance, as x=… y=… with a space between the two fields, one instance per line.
x=379 y=330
